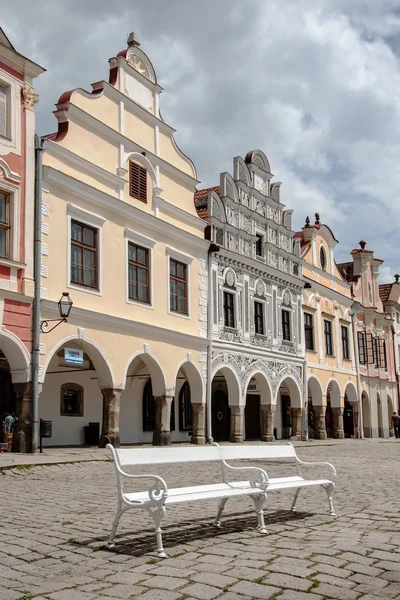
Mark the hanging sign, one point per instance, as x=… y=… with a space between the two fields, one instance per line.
x=72 y=356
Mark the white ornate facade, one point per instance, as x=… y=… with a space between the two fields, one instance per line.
x=255 y=294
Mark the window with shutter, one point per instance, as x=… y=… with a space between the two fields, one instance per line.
x=137 y=181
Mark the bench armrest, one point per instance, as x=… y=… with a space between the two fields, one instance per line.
x=158 y=491
x=331 y=471
x=258 y=478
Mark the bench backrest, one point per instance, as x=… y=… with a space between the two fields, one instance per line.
x=170 y=455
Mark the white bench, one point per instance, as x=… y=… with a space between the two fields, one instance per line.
x=257 y=485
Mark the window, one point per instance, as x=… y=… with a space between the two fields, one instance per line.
x=137 y=181
x=4 y=225
x=375 y=353
x=3 y=111
x=185 y=409
x=309 y=331
x=286 y=325
x=178 y=286
x=259 y=318
x=384 y=355
x=71 y=400
x=259 y=245
x=345 y=343
x=322 y=258
x=328 y=337
x=229 y=310
x=149 y=407
x=83 y=254
x=138 y=273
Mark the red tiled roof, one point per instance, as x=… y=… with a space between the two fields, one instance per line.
x=346 y=270
x=384 y=291
x=200 y=200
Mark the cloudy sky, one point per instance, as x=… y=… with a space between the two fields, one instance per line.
x=313 y=83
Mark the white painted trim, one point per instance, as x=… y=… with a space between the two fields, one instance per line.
x=148 y=243
x=14 y=191
x=84 y=215
x=12 y=143
x=138 y=328
x=15 y=177
x=128 y=211
x=187 y=260
x=179 y=214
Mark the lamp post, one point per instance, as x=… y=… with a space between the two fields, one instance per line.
x=64 y=308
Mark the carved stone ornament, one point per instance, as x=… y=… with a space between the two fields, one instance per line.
x=216 y=210
x=287 y=300
x=230 y=278
x=260 y=288
x=30 y=98
x=138 y=65
x=229 y=190
x=258 y=161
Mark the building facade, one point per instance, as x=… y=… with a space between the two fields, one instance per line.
x=390 y=296
x=375 y=343
x=17 y=181
x=328 y=336
x=256 y=374
x=122 y=237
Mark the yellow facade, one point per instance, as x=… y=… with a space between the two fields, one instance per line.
x=328 y=325
x=125 y=342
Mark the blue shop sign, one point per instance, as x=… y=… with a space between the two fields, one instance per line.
x=73 y=356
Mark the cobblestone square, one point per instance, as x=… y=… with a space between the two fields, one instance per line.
x=56 y=518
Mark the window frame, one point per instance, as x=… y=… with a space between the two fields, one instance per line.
x=83 y=246
x=150 y=419
x=146 y=267
x=142 y=181
x=77 y=388
x=182 y=280
x=361 y=346
x=328 y=338
x=184 y=423
x=260 y=244
x=286 y=325
x=185 y=259
x=147 y=243
x=323 y=263
x=6 y=226
x=345 y=342
x=75 y=213
x=12 y=140
x=7 y=111
x=308 y=327
x=226 y=293
x=261 y=315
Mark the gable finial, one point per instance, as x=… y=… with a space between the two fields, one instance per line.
x=363 y=243
x=317 y=221
x=307 y=222
x=133 y=39
x=396 y=278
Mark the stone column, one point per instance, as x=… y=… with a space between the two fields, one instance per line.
x=356 y=416
x=162 y=431
x=296 y=414
x=267 y=422
x=320 y=430
x=110 y=426
x=338 y=431
x=237 y=422
x=22 y=438
x=199 y=413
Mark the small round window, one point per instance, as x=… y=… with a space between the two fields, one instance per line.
x=322 y=258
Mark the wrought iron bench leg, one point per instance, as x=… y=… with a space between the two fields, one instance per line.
x=120 y=511
x=157 y=515
x=221 y=507
x=329 y=490
x=259 y=503
x=293 y=508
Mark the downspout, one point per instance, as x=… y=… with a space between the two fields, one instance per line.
x=39 y=145
x=359 y=393
x=305 y=396
x=210 y=316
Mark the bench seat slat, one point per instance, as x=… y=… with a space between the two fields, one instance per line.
x=192 y=494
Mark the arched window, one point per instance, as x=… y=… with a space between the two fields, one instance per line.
x=322 y=258
x=71 y=400
x=185 y=409
x=149 y=407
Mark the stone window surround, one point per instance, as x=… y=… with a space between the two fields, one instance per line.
x=187 y=260
x=148 y=243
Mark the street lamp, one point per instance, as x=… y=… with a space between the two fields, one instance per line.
x=64 y=308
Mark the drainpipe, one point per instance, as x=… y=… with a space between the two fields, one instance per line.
x=305 y=403
x=359 y=393
x=39 y=145
x=213 y=248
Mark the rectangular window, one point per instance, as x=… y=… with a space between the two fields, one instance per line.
x=362 y=355
x=286 y=325
x=345 y=343
x=71 y=400
x=3 y=111
x=384 y=358
x=178 y=287
x=309 y=331
x=328 y=337
x=138 y=273
x=137 y=181
x=229 y=309
x=259 y=245
x=84 y=256
x=375 y=353
x=259 y=318
x=4 y=225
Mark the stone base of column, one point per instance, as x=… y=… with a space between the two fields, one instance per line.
x=162 y=433
x=320 y=430
x=110 y=426
x=199 y=412
x=162 y=438
x=200 y=440
x=338 y=431
x=236 y=435
x=296 y=414
x=268 y=438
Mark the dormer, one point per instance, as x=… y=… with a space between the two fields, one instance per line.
x=318 y=243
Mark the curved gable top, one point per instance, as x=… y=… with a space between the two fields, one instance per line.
x=258 y=158
x=327 y=234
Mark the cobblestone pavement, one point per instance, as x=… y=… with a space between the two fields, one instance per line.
x=55 y=519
